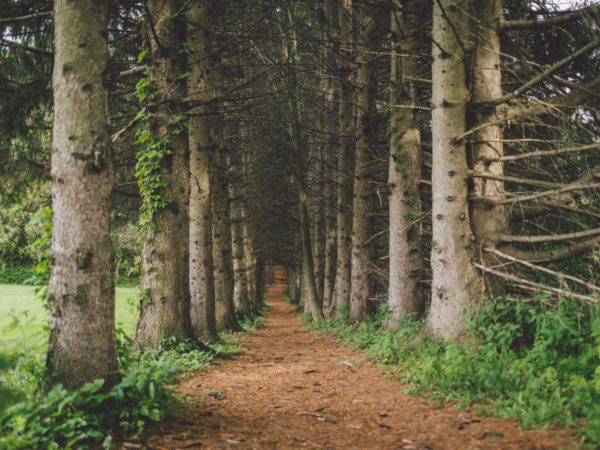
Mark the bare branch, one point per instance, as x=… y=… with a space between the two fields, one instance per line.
x=545 y=74
x=27 y=17
x=551 y=22
x=554 y=255
x=549 y=237
x=539 y=286
x=558 y=275
x=559 y=151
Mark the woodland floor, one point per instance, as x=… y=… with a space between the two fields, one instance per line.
x=299 y=389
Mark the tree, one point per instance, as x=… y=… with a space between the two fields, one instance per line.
x=202 y=145
x=405 y=294
x=165 y=303
x=456 y=283
x=81 y=293
x=345 y=166
x=362 y=287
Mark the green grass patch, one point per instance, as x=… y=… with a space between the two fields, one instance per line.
x=35 y=414
x=530 y=361
x=22 y=314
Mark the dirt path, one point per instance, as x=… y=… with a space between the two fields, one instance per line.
x=298 y=389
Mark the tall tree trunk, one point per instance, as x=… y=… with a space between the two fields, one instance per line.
x=299 y=145
x=222 y=256
x=345 y=162
x=165 y=306
x=313 y=303
x=488 y=221
x=250 y=260
x=405 y=297
x=361 y=285
x=319 y=227
x=456 y=284
x=81 y=293
x=330 y=161
x=240 y=283
x=202 y=287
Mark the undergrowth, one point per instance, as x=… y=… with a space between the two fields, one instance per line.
x=530 y=361
x=35 y=414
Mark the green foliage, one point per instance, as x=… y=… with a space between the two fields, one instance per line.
x=251 y=323
x=147 y=171
x=527 y=360
x=96 y=413
x=16 y=275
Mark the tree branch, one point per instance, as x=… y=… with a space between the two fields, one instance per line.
x=551 y=22
x=549 y=237
x=554 y=255
x=559 y=151
x=545 y=74
x=27 y=17
x=558 y=275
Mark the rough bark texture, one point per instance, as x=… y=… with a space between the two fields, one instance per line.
x=165 y=307
x=319 y=228
x=456 y=284
x=250 y=260
x=201 y=141
x=488 y=221
x=330 y=161
x=222 y=256
x=365 y=135
x=405 y=295
x=313 y=303
x=345 y=162
x=81 y=293
x=240 y=282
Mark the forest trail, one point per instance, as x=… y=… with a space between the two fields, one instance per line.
x=299 y=389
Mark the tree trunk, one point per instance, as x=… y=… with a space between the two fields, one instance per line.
x=345 y=163
x=488 y=222
x=331 y=115
x=456 y=284
x=222 y=256
x=81 y=292
x=240 y=282
x=165 y=305
x=202 y=287
x=250 y=260
x=361 y=285
x=405 y=296
x=319 y=229
x=313 y=303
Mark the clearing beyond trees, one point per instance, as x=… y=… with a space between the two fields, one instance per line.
x=294 y=388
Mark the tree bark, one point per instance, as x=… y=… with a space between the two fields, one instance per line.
x=201 y=141
x=165 y=306
x=330 y=161
x=240 y=282
x=365 y=137
x=488 y=221
x=345 y=163
x=405 y=296
x=81 y=292
x=456 y=284
x=222 y=256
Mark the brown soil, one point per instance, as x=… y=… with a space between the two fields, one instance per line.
x=299 y=389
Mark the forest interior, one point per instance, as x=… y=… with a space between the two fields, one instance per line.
x=299 y=224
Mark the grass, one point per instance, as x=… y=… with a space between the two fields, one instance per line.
x=18 y=304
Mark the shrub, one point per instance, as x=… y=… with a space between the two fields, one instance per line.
x=96 y=413
x=527 y=360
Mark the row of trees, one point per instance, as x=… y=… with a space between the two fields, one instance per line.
x=488 y=145
x=197 y=266
x=430 y=154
